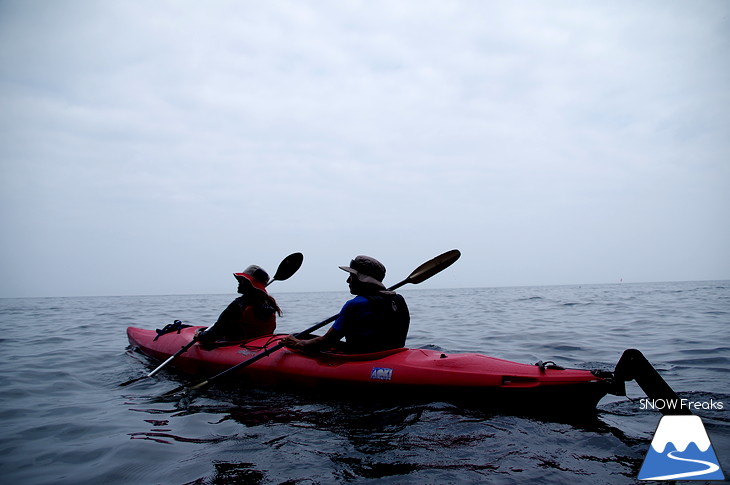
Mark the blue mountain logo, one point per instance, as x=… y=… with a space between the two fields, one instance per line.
x=681 y=450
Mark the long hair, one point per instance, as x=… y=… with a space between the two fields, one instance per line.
x=272 y=302
x=260 y=296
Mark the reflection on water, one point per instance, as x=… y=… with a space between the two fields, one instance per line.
x=350 y=441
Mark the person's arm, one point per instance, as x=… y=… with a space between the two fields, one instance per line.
x=327 y=340
x=333 y=335
x=229 y=316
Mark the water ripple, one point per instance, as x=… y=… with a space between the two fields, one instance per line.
x=66 y=420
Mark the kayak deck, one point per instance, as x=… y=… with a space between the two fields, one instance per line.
x=464 y=377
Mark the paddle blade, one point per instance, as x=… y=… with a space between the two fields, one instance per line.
x=435 y=265
x=288 y=267
x=132 y=381
x=177 y=390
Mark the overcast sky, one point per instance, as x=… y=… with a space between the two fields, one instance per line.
x=155 y=147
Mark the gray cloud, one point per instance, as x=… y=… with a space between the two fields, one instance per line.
x=156 y=148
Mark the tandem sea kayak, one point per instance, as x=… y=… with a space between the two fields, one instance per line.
x=479 y=379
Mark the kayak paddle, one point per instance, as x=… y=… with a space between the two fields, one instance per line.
x=286 y=269
x=420 y=274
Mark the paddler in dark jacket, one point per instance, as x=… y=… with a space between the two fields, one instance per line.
x=250 y=315
x=375 y=320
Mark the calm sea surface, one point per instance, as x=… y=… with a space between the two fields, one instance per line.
x=66 y=420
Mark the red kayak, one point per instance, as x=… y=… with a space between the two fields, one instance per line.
x=474 y=377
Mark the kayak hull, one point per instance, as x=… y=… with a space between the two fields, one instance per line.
x=467 y=378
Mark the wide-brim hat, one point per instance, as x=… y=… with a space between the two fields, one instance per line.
x=367 y=270
x=256 y=276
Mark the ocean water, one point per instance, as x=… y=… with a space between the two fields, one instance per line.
x=66 y=420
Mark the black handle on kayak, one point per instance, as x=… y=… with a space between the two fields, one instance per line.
x=286 y=269
x=420 y=274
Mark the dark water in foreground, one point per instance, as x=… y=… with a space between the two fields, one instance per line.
x=65 y=420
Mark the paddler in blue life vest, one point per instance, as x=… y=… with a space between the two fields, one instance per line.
x=250 y=315
x=375 y=320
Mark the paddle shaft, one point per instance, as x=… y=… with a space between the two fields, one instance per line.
x=420 y=274
x=182 y=350
x=263 y=354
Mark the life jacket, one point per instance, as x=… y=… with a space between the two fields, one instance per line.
x=384 y=327
x=256 y=322
x=242 y=320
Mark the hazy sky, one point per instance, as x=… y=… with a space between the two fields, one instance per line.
x=155 y=147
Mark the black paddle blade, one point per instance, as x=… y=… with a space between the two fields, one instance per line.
x=177 y=390
x=435 y=265
x=288 y=267
x=132 y=381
